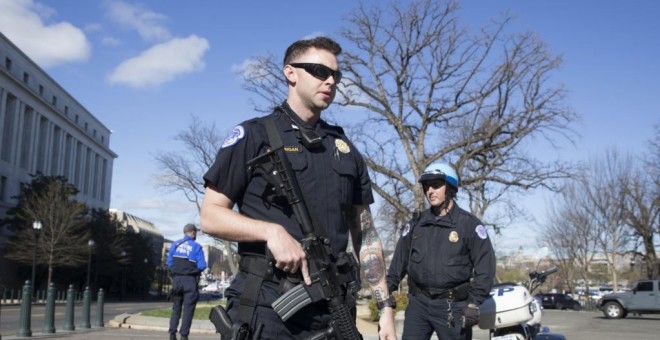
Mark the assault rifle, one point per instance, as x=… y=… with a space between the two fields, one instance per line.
x=334 y=278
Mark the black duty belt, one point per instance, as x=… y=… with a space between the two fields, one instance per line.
x=262 y=267
x=459 y=292
x=258 y=265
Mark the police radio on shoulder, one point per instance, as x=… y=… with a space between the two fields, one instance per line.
x=389 y=302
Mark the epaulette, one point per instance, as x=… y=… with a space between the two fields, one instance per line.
x=337 y=129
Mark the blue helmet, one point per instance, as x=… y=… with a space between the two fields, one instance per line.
x=441 y=171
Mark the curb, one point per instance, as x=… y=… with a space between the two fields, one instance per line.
x=149 y=323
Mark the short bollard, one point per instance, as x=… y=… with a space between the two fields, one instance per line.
x=85 y=309
x=49 y=318
x=26 y=312
x=69 y=312
x=98 y=322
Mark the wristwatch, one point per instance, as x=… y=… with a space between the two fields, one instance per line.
x=389 y=302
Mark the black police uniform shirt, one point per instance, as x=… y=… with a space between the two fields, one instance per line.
x=333 y=177
x=441 y=251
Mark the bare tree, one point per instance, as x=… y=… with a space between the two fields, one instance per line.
x=430 y=90
x=603 y=187
x=64 y=234
x=570 y=233
x=650 y=213
x=642 y=213
x=183 y=171
x=652 y=161
x=617 y=200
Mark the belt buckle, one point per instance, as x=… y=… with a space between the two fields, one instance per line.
x=450 y=294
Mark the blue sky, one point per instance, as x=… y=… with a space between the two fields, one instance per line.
x=110 y=56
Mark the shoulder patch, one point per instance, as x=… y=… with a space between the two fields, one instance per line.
x=482 y=232
x=406 y=230
x=234 y=136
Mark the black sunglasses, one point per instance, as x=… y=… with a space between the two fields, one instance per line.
x=319 y=71
x=435 y=184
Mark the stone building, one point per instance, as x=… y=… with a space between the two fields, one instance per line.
x=45 y=129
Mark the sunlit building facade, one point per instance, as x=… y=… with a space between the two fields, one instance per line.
x=45 y=129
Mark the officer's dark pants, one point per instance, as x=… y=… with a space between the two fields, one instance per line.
x=302 y=325
x=424 y=316
x=184 y=296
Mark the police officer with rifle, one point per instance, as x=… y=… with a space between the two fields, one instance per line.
x=301 y=187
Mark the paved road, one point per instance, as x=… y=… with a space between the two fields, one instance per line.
x=592 y=325
x=574 y=325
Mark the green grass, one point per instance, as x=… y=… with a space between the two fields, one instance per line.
x=202 y=311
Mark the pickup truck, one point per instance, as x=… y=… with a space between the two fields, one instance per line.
x=644 y=298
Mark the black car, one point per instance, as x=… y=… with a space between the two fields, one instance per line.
x=558 y=301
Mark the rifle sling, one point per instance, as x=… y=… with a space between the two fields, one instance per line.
x=257 y=269
x=260 y=268
x=276 y=143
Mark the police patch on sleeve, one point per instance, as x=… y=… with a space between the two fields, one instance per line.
x=234 y=136
x=406 y=230
x=482 y=232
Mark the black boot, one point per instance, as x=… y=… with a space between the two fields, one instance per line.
x=172 y=336
x=184 y=337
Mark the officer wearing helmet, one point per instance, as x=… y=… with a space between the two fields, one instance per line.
x=447 y=255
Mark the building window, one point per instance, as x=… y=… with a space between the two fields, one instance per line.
x=85 y=126
x=66 y=110
x=26 y=78
x=78 y=166
x=26 y=143
x=76 y=119
x=8 y=135
x=41 y=90
x=95 y=180
x=8 y=63
x=42 y=145
x=55 y=151
x=104 y=175
x=68 y=155
x=3 y=188
x=54 y=101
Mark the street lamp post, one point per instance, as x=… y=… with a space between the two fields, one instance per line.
x=36 y=226
x=90 y=243
x=145 y=287
x=123 y=277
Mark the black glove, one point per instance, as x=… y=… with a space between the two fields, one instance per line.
x=470 y=315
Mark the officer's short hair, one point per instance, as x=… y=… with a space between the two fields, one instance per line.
x=299 y=48
x=189 y=227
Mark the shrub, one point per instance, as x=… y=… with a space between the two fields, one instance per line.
x=401 y=304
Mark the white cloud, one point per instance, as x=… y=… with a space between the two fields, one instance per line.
x=162 y=63
x=147 y=23
x=48 y=44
